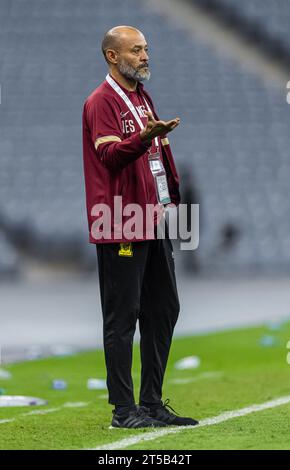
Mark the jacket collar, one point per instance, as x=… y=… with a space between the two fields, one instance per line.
x=139 y=87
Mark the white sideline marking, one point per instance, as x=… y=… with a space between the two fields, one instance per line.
x=203 y=375
x=41 y=412
x=149 y=436
x=77 y=404
x=80 y=404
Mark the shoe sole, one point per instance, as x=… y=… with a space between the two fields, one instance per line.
x=147 y=427
x=143 y=427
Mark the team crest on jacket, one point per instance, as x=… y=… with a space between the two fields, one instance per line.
x=126 y=249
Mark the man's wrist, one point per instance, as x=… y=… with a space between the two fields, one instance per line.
x=144 y=138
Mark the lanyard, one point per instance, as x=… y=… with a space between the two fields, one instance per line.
x=129 y=103
x=155 y=163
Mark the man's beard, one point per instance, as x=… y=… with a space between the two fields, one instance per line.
x=140 y=74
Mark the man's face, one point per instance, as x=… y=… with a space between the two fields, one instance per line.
x=132 y=61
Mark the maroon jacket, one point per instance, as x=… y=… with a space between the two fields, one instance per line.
x=116 y=160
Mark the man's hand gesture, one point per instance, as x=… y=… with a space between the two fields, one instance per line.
x=156 y=128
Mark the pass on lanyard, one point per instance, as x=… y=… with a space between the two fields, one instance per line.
x=155 y=163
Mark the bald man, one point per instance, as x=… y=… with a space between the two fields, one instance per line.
x=128 y=161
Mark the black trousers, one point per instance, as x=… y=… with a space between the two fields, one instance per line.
x=141 y=286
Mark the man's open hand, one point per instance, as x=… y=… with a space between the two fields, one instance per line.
x=156 y=128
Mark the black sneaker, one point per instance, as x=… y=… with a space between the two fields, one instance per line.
x=136 y=418
x=161 y=413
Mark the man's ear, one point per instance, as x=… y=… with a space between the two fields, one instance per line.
x=111 y=55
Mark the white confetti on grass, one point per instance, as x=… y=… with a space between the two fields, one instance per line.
x=5 y=374
x=190 y=362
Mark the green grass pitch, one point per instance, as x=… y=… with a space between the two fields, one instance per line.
x=248 y=374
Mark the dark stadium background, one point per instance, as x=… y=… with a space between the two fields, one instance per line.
x=223 y=67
